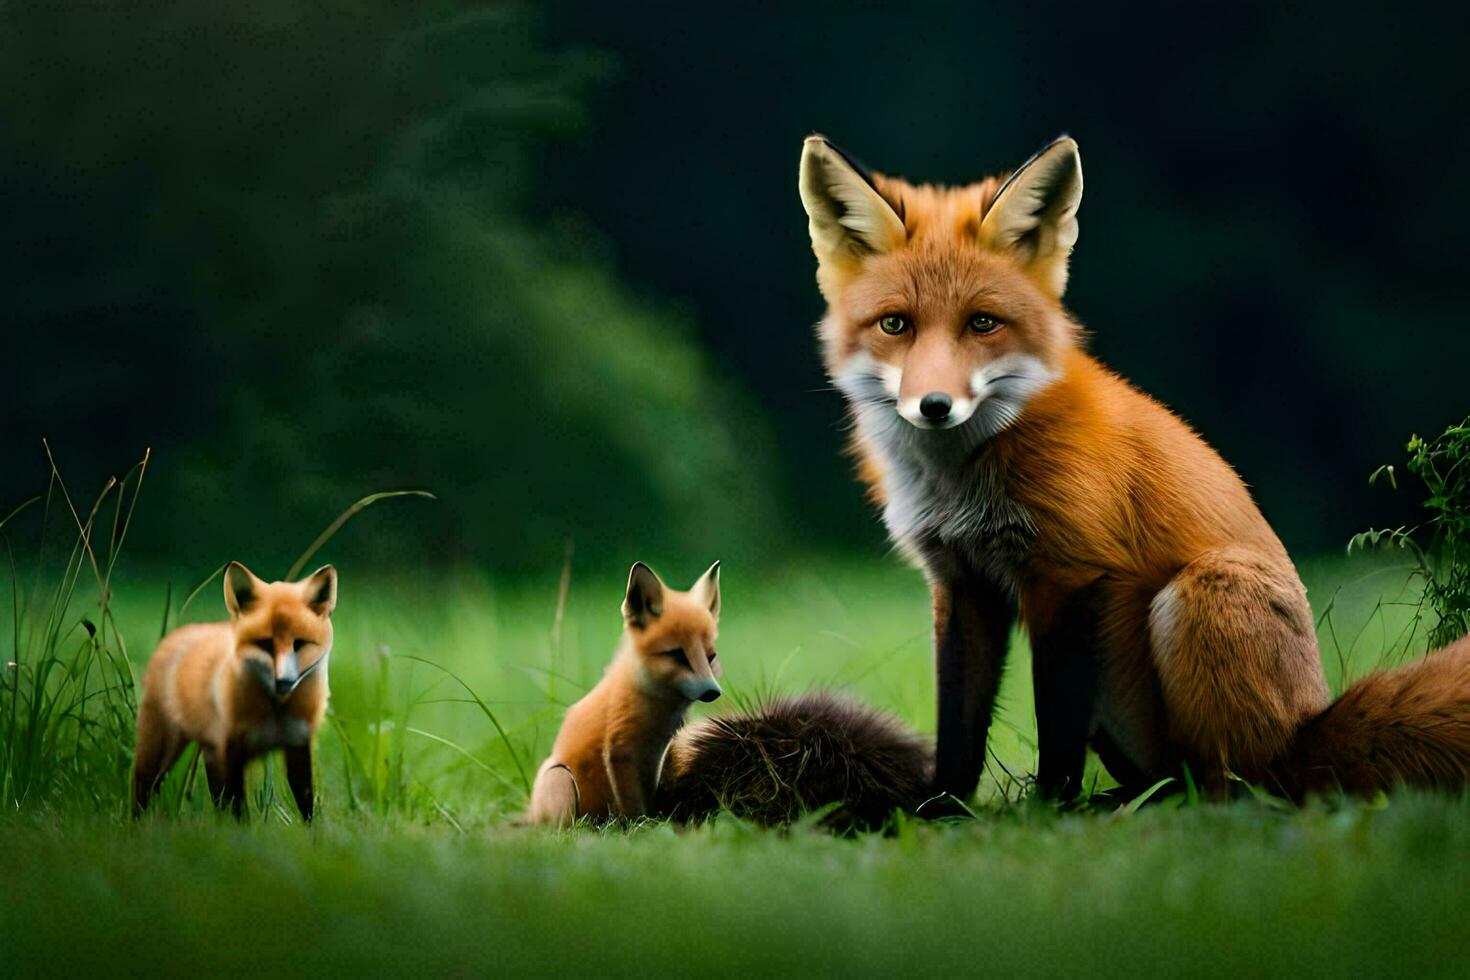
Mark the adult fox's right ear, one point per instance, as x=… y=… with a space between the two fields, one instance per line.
x=242 y=588
x=846 y=216
x=645 y=597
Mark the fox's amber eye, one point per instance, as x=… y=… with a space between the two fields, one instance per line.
x=983 y=323
x=678 y=656
x=893 y=325
x=266 y=645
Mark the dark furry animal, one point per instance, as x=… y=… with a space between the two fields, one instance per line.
x=795 y=755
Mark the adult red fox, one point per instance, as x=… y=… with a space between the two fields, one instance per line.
x=241 y=688
x=1167 y=623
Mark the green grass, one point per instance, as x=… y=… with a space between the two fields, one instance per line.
x=1216 y=890
x=413 y=864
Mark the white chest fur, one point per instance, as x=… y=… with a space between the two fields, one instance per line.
x=942 y=489
x=940 y=485
x=967 y=511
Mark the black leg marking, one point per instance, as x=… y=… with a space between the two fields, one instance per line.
x=971 y=646
x=298 y=774
x=1064 y=676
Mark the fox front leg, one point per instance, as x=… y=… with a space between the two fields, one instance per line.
x=1064 y=679
x=225 y=770
x=626 y=780
x=972 y=626
x=298 y=775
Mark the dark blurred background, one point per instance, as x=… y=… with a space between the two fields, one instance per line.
x=549 y=262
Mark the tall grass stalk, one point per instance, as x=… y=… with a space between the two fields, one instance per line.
x=71 y=697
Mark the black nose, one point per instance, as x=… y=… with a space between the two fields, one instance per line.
x=934 y=405
x=283 y=686
x=708 y=696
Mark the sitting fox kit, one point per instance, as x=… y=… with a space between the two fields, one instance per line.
x=1167 y=623
x=608 y=755
x=241 y=688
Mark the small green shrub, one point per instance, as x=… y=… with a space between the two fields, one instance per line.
x=1441 y=544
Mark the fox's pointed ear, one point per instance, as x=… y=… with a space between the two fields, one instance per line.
x=1034 y=214
x=320 y=590
x=242 y=588
x=707 y=590
x=645 y=598
x=847 y=217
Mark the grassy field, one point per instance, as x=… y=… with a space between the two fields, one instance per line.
x=413 y=864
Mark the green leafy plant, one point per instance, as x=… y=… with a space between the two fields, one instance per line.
x=1440 y=545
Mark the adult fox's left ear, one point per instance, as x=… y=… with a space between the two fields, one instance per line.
x=707 y=590
x=1034 y=215
x=846 y=215
x=320 y=590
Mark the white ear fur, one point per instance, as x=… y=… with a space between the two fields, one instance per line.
x=707 y=589
x=1034 y=214
x=320 y=589
x=645 y=596
x=846 y=216
x=241 y=588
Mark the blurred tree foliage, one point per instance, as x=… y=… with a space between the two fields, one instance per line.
x=307 y=251
x=296 y=248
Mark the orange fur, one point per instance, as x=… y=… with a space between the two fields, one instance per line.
x=607 y=757
x=1168 y=623
x=207 y=683
x=1407 y=725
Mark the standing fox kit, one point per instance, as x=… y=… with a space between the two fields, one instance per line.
x=608 y=755
x=1167 y=623
x=241 y=688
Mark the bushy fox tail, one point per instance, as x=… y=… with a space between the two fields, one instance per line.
x=796 y=755
x=1409 y=726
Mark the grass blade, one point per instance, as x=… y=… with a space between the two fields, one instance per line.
x=504 y=738
x=1132 y=806
x=343 y=518
x=464 y=752
x=200 y=588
